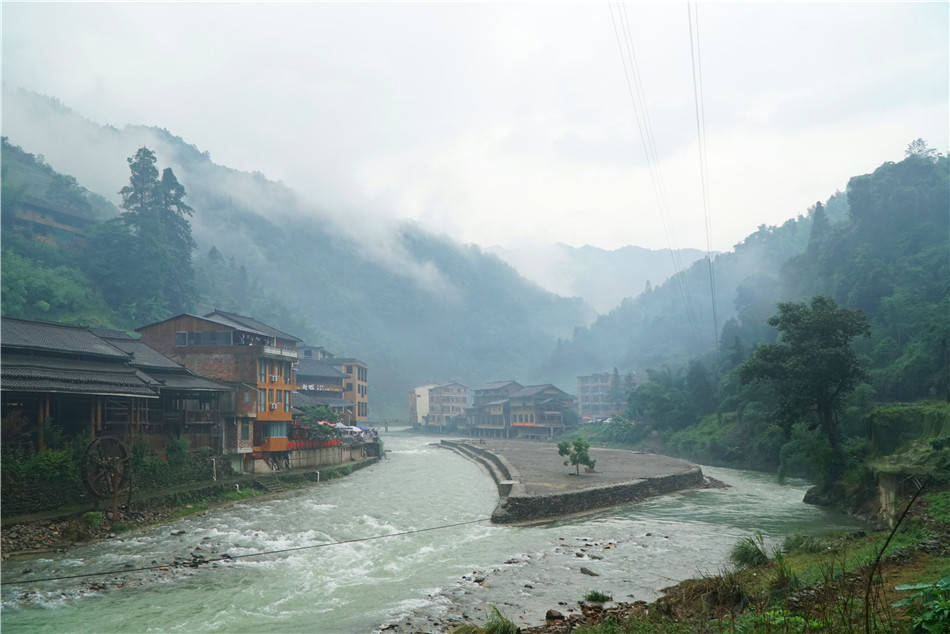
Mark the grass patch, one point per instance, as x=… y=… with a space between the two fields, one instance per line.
x=93 y=519
x=596 y=596
x=240 y=494
x=749 y=552
x=938 y=506
x=804 y=544
x=496 y=624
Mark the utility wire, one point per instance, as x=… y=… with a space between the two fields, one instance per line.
x=695 y=58
x=644 y=125
x=201 y=562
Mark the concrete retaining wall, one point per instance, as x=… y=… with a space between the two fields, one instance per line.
x=520 y=508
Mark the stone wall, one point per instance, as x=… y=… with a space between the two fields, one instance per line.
x=520 y=508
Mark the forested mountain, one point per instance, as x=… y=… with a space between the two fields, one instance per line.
x=673 y=321
x=863 y=309
x=601 y=277
x=414 y=306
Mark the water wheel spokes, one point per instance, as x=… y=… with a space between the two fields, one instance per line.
x=106 y=466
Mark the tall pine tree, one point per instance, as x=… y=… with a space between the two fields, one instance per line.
x=143 y=259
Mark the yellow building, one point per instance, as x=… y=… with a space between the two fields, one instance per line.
x=355 y=384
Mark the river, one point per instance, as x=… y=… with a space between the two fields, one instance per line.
x=417 y=581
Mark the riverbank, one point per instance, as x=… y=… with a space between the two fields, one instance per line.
x=809 y=584
x=534 y=485
x=41 y=533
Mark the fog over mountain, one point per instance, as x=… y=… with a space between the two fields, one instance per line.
x=415 y=306
x=601 y=277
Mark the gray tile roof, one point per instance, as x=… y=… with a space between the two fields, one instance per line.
x=23 y=373
x=188 y=381
x=533 y=390
x=302 y=399
x=495 y=385
x=315 y=367
x=143 y=355
x=18 y=334
x=111 y=333
x=245 y=323
x=220 y=320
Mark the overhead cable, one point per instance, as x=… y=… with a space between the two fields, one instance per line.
x=196 y=563
x=695 y=58
x=644 y=125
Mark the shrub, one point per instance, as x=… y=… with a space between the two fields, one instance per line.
x=93 y=518
x=749 y=551
x=498 y=624
x=803 y=544
x=597 y=596
x=929 y=607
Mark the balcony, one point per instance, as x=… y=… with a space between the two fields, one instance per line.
x=273 y=444
x=279 y=353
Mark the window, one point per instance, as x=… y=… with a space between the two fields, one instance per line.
x=181 y=338
x=247 y=397
x=308 y=353
x=245 y=432
x=261 y=371
x=287 y=400
x=270 y=396
x=349 y=370
x=261 y=400
x=349 y=387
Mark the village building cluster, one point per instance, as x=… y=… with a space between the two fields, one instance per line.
x=500 y=409
x=224 y=381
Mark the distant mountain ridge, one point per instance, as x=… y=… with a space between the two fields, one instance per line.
x=411 y=304
x=603 y=278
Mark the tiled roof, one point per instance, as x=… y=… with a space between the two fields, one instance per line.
x=315 y=367
x=222 y=321
x=50 y=337
x=111 y=333
x=143 y=355
x=532 y=390
x=188 y=381
x=21 y=373
x=449 y=383
x=495 y=385
x=302 y=399
x=249 y=322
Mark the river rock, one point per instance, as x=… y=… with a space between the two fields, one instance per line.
x=588 y=571
x=553 y=615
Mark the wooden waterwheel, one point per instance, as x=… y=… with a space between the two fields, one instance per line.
x=106 y=467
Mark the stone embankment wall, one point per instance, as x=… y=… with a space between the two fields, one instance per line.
x=516 y=506
x=520 y=508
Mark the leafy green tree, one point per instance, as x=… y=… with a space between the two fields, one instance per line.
x=315 y=414
x=702 y=391
x=578 y=453
x=65 y=190
x=813 y=367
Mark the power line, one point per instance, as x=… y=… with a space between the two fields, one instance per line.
x=644 y=125
x=200 y=562
x=695 y=58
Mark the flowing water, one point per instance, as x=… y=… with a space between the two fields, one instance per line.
x=417 y=581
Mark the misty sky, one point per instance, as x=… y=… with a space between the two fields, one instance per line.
x=509 y=123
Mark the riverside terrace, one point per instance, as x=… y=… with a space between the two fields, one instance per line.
x=533 y=483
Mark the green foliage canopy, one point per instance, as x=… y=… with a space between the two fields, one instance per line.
x=577 y=453
x=813 y=367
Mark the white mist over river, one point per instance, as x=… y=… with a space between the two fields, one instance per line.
x=423 y=578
